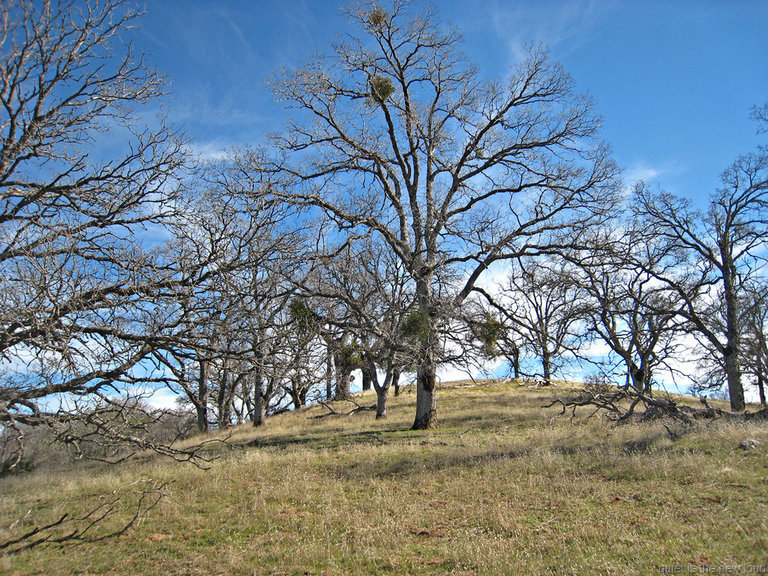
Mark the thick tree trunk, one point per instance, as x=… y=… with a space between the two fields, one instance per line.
x=297 y=394
x=647 y=380
x=381 y=402
x=637 y=377
x=369 y=373
x=546 y=364
x=382 y=392
x=733 y=376
x=647 y=383
x=343 y=380
x=343 y=375
x=732 y=334
x=426 y=402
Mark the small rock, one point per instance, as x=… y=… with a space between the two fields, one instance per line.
x=748 y=444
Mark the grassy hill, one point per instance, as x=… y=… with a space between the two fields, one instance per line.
x=501 y=487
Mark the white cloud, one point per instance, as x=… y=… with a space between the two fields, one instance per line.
x=494 y=276
x=212 y=150
x=452 y=373
x=642 y=172
x=596 y=349
x=161 y=398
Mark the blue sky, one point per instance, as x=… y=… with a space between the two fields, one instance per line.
x=674 y=80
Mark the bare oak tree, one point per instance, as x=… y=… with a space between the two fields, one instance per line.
x=229 y=349
x=84 y=181
x=723 y=245
x=755 y=322
x=398 y=135
x=543 y=305
x=376 y=293
x=636 y=316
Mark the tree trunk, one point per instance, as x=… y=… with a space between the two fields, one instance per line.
x=238 y=409
x=396 y=379
x=201 y=406
x=426 y=402
x=343 y=375
x=636 y=376
x=259 y=415
x=368 y=376
x=303 y=396
x=732 y=334
x=546 y=364
x=381 y=391
x=298 y=396
x=761 y=386
x=328 y=375
x=516 y=362
x=381 y=402
x=761 y=361
x=223 y=400
x=259 y=406
x=343 y=379
x=733 y=376
x=647 y=382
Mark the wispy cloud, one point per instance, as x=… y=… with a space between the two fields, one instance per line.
x=641 y=171
x=662 y=174
x=563 y=25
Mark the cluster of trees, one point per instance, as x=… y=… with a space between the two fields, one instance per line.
x=354 y=241
x=662 y=287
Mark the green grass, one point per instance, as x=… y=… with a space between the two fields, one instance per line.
x=499 y=488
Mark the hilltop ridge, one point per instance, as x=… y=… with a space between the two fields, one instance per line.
x=502 y=486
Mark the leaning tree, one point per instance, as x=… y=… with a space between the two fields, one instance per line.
x=397 y=134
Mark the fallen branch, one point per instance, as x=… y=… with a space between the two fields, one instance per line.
x=622 y=404
x=78 y=528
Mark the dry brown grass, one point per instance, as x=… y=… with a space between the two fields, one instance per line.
x=499 y=488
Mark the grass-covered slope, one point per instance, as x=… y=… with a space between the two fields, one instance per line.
x=499 y=488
